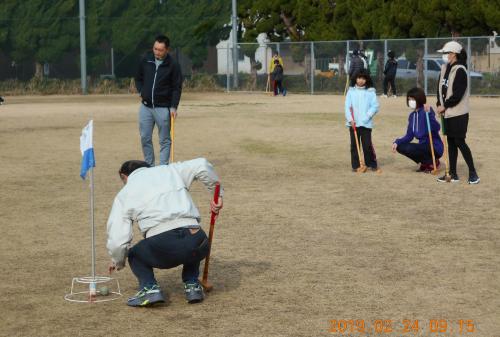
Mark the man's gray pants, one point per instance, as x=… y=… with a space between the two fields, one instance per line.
x=148 y=117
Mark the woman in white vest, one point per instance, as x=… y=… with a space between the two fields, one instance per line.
x=453 y=102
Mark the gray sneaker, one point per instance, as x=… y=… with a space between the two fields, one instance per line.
x=146 y=297
x=194 y=292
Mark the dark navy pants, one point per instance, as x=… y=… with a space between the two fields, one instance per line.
x=419 y=153
x=168 y=250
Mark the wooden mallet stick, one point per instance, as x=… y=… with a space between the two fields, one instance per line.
x=434 y=171
x=447 y=176
x=362 y=166
x=172 y=137
x=204 y=281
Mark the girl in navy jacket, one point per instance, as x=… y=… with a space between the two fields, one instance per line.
x=420 y=152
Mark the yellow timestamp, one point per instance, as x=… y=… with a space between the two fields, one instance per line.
x=404 y=326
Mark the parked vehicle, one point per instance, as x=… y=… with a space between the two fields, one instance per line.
x=407 y=69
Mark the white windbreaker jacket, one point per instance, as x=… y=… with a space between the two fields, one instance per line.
x=154 y=197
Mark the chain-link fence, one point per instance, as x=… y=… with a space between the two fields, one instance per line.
x=322 y=67
x=309 y=67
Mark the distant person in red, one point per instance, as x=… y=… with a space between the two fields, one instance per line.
x=277 y=77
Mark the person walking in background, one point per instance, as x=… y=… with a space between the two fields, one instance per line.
x=277 y=78
x=362 y=99
x=272 y=65
x=453 y=104
x=417 y=128
x=390 y=69
x=159 y=83
x=2 y=100
x=355 y=67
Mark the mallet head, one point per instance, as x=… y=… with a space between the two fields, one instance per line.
x=207 y=286
x=362 y=169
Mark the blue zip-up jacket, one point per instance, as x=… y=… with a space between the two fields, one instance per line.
x=417 y=128
x=365 y=105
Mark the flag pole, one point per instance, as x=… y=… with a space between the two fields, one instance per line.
x=92 y=227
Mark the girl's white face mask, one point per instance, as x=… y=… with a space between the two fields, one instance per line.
x=445 y=58
x=412 y=104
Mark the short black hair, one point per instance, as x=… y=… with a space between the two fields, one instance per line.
x=163 y=39
x=363 y=73
x=391 y=54
x=130 y=166
x=418 y=94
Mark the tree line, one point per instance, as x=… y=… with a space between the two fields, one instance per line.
x=42 y=31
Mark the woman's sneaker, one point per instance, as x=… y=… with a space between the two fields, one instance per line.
x=473 y=178
x=194 y=292
x=454 y=178
x=146 y=297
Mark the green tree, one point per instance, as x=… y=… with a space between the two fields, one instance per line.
x=43 y=33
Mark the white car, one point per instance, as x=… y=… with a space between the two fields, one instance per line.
x=407 y=69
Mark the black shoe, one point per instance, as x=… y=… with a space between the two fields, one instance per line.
x=454 y=178
x=473 y=178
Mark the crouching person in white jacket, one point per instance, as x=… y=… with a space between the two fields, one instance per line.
x=158 y=199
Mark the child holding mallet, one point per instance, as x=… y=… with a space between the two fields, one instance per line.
x=361 y=105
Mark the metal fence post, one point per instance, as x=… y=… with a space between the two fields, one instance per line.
x=112 y=62
x=228 y=78
x=425 y=66
x=234 y=20
x=385 y=51
x=469 y=83
x=347 y=60
x=312 y=68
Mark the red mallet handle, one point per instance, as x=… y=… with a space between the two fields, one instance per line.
x=204 y=281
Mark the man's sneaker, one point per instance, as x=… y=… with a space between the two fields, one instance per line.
x=394 y=96
x=473 y=178
x=384 y=96
x=194 y=292
x=146 y=297
x=454 y=178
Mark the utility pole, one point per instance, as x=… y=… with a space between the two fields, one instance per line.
x=83 y=50
x=234 y=20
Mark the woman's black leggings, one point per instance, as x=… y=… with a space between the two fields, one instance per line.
x=454 y=144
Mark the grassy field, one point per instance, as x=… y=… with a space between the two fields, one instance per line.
x=301 y=240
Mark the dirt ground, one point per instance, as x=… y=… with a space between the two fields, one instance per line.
x=302 y=240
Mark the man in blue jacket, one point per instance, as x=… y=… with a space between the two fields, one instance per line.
x=159 y=82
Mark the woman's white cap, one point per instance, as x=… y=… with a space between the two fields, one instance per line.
x=451 y=47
